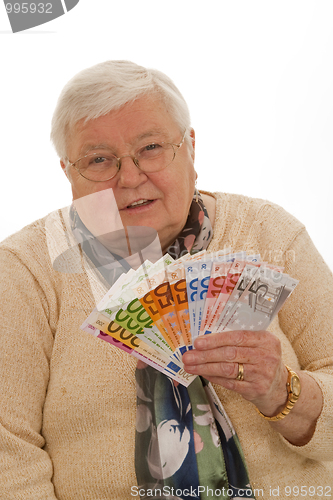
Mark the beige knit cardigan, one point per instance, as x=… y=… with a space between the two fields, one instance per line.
x=68 y=400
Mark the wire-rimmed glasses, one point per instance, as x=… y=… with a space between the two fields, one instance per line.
x=101 y=167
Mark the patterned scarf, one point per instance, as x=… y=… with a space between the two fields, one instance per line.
x=185 y=444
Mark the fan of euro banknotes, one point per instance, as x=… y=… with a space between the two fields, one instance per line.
x=155 y=312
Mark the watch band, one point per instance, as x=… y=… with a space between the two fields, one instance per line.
x=292 y=397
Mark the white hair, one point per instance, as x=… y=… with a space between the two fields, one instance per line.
x=107 y=86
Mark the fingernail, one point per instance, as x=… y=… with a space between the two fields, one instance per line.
x=199 y=343
x=188 y=357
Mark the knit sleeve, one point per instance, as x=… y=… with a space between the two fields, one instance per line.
x=25 y=349
x=307 y=321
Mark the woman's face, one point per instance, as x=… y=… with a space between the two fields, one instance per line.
x=166 y=195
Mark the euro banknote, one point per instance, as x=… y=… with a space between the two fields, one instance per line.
x=157 y=311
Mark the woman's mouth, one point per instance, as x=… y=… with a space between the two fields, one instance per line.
x=139 y=203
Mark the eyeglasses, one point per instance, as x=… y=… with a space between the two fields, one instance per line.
x=153 y=157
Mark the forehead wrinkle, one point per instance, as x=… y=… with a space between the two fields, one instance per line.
x=151 y=133
x=86 y=148
x=92 y=147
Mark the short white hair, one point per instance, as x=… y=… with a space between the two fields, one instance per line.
x=107 y=86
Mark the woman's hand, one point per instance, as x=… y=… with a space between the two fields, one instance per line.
x=217 y=357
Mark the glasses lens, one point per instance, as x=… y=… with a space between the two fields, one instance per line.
x=155 y=157
x=97 y=167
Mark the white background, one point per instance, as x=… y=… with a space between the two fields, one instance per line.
x=257 y=75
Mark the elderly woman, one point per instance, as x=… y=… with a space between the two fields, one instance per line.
x=68 y=400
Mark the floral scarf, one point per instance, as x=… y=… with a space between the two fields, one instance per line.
x=185 y=443
x=186 y=446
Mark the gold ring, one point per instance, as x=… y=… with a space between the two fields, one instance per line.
x=240 y=375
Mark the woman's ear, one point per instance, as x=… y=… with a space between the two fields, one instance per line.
x=192 y=135
x=63 y=166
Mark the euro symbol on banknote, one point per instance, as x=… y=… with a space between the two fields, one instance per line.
x=23 y=15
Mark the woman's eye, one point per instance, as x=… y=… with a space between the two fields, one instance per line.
x=152 y=147
x=99 y=159
x=151 y=150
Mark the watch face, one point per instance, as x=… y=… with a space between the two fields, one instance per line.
x=295 y=386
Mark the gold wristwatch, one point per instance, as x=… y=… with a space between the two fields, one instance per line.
x=294 y=391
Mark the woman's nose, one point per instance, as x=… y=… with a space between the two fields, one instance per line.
x=129 y=174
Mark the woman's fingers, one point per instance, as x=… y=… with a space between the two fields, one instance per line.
x=255 y=348
x=218 y=357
